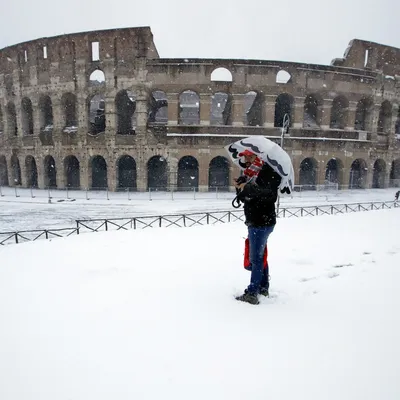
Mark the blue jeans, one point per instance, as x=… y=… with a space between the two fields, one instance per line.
x=258 y=238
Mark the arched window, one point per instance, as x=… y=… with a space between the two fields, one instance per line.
x=72 y=172
x=125 y=103
x=157 y=173
x=339 y=113
x=363 y=115
x=189 y=108
x=27 y=116
x=253 y=109
x=68 y=104
x=308 y=174
x=221 y=75
x=99 y=173
x=158 y=108
x=126 y=167
x=31 y=172
x=358 y=174
x=220 y=113
x=379 y=173
x=45 y=114
x=312 y=112
x=385 y=117
x=218 y=174
x=50 y=172
x=283 y=105
x=97 y=114
x=188 y=173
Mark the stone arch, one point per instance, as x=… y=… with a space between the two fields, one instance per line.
x=221 y=74
x=283 y=77
x=385 y=117
x=220 y=112
x=189 y=108
x=395 y=173
x=283 y=105
x=50 y=172
x=379 y=174
x=1 y=121
x=158 y=108
x=312 y=111
x=98 y=167
x=31 y=172
x=45 y=113
x=334 y=171
x=126 y=173
x=16 y=171
x=157 y=173
x=68 y=107
x=308 y=174
x=125 y=106
x=72 y=173
x=26 y=116
x=358 y=174
x=97 y=77
x=3 y=171
x=253 y=108
x=12 y=119
x=97 y=114
x=218 y=174
x=339 y=112
x=363 y=119
x=188 y=173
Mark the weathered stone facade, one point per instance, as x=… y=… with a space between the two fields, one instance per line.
x=62 y=125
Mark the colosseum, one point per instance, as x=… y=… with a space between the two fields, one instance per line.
x=102 y=110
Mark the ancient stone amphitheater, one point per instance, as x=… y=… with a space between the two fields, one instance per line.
x=102 y=109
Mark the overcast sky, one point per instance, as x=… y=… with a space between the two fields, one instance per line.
x=291 y=30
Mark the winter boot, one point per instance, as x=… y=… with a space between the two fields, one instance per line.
x=247 y=297
x=264 y=292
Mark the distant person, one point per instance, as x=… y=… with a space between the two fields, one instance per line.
x=258 y=194
x=396 y=196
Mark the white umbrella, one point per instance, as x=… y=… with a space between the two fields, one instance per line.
x=270 y=153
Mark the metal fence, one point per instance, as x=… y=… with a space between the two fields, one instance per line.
x=170 y=193
x=183 y=220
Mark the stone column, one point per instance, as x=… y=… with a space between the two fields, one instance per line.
x=237 y=110
x=351 y=116
x=111 y=175
x=326 y=113
x=205 y=109
x=141 y=174
x=24 y=177
x=269 y=111
x=172 y=172
x=141 y=113
x=60 y=172
x=84 y=173
x=298 y=113
x=173 y=105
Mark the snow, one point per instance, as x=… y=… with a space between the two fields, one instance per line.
x=26 y=212
x=150 y=314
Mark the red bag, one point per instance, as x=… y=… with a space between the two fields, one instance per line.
x=246 y=261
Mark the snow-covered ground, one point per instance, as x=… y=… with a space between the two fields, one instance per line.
x=26 y=213
x=150 y=314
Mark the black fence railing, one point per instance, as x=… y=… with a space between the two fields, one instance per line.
x=183 y=220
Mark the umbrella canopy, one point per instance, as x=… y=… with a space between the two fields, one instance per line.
x=270 y=153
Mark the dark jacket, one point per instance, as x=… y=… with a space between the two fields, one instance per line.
x=259 y=198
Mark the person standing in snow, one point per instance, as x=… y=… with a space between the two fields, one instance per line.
x=258 y=194
x=396 y=196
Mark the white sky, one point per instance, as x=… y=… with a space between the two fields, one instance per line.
x=291 y=30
